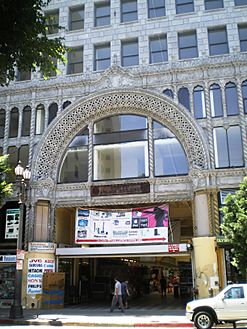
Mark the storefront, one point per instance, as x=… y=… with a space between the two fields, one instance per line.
x=7 y=279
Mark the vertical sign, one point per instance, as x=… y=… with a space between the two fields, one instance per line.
x=12 y=223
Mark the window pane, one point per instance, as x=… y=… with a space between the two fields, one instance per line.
x=218 y=43
x=187 y=45
x=120 y=123
x=184 y=97
x=156 y=8
x=184 y=6
x=199 y=103
x=102 y=57
x=77 y=18
x=130 y=55
x=242 y=30
x=129 y=10
x=102 y=14
x=220 y=148
x=14 y=121
x=52 y=22
x=23 y=155
x=158 y=49
x=40 y=120
x=216 y=101
x=240 y=3
x=213 y=4
x=2 y=123
x=53 y=108
x=235 y=147
x=168 y=92
x=75 y=61
x=231 y=99
x=13 y=158
x=26 y=121
x=244 y=94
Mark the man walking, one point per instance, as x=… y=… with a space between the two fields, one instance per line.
x=117 y=297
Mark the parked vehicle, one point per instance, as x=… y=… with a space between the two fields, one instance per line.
x=230 y=305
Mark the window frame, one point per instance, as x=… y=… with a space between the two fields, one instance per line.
x=155 y=8
x=181 y=6
x=215 y=45
x=208 y=2
x=125 y=43
x=242 y=40
x=193 y=47
x=71 y=63
x=52 y=27
x=162 y=51
x=97 y=16
x=97 y=60
x=71 y=22
x=126 y=15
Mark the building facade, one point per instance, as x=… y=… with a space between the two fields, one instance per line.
x=150 y=110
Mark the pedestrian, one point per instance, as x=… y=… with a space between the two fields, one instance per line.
x=117 y=297
x=163 y=286
x=125 y=293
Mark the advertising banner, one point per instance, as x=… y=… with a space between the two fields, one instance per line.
x=142 y=225
x=12 y=223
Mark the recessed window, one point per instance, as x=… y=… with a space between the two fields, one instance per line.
x=24 y=155
x=23 y=75
x=169 y=156
x=76 y=16
x=242 y=30
x=52 y=21
x=2 y=122
x=75 y=61
x=184 y=6
x=184 y=97
x=228 y=148
x=156 y=8
x=14 y=122
x=129 y=10
x=130 y=53
x=199 y=103
x=231 y=99
x=213 y=4
x=158 y=49
x=218 y=44
x=66 y=104
x=169 y=93
x=102 y=14
x=52 y=112
x=187 y=44
x=216 y=100
x=13 y=157
x=26 y=121
x=102 y=57
x=244 y=95
x=240 y=3
x=40 y=120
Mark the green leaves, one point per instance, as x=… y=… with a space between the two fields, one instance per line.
x=5 y=188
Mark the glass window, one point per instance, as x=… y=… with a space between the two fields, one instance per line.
x=187 y=44
x=52 y=21
x=102 y=57
x=130 y=53
x=169 y=156
x=218 y=44
x=75 y=61
x=242 y=31
x=240 y=3
x=76 y=18
x=14 y=121
x=1 y=151
x=184 y=97
x=156 y=8
x=74 y=166
x=23 y=75
x=168 y=92
x=13 y=156
x=120 y=147
x=23 y=155
x=228 y=147
x=216 y=101
x=199 y=102
x=184 y=6
x=52 y=112
x=213 y=4
x=102 y=14
x=65 y=104
x=26 y=121
x=244 y=94
x=2 y=123
x=40 y=120
x=129 y=10
x=231 y=99
x=158 y=49
x=235 y=292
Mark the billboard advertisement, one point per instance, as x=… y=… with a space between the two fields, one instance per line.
x=142 y=225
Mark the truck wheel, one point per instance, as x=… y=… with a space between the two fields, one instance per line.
x=203 y=320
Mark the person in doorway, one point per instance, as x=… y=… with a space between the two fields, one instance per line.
x=117 y=297
x=125 y=293
x=163 y=285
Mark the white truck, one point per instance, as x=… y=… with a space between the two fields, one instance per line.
x=229 y=306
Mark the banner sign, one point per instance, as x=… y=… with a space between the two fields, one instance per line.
x=142 y=225
x=12 y=223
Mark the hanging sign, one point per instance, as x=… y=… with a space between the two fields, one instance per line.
x=142 y=225
x=12 y=223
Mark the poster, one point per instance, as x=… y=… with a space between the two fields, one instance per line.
x=142 y=225
x=36 y=268
x=12 y=223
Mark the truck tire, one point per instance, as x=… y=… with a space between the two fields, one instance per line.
x=203 y=320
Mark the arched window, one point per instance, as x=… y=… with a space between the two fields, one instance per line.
x=23 y=155
x=40 y=120
x=2 y=123
x=216 y=100
x=231 y=99
x=228 y=147
x=199 y=103
x=75 y=162
x=120 y=147
x=65 y=104
x=169 y=156
x=244 y=95
x=53 y=108
x=184 y=97
x=26 y=121
x=168 y=92
x=14 y=121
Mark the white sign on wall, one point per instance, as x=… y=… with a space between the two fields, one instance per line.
x=12 y=223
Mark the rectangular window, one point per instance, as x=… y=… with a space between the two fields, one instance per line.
x=52 y=21
x=130 y=53
x=187 y=44
x=75 y=61
x=242 y=30
x=102 y=57
x=240 y=3
x=158 y=49
x=23 y=75
x=156 y=8
x=218 y=44
x=129 y=10
x=213 y=4
x=102 y=14
x=184 y=6
x=76 y=18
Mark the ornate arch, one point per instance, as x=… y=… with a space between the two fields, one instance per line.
x=99 y=105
